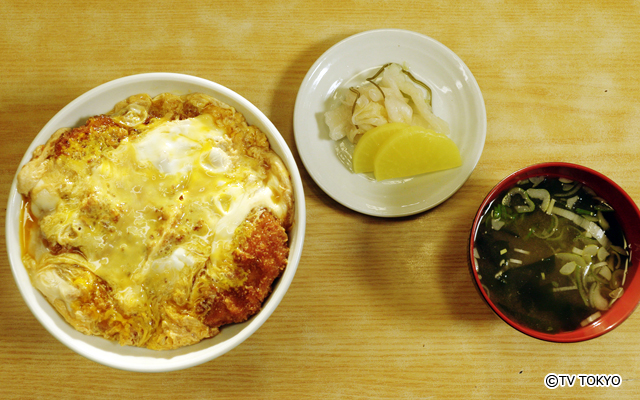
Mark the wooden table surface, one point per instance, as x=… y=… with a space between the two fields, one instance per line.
x=379 y=308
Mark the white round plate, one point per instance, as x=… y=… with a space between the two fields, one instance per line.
x=456 y=99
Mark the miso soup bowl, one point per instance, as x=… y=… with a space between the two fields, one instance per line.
x=629 y=218
x=100 y=100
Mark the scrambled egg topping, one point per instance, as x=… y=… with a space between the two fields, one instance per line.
x=132 y=220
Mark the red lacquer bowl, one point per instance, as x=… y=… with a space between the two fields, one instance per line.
x=629 y=218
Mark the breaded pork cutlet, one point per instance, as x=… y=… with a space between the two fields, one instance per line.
x=158 y=223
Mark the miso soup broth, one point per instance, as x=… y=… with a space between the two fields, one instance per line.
x=551 y=254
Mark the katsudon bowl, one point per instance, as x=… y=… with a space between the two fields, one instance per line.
x=98 y=101
x=554 y=252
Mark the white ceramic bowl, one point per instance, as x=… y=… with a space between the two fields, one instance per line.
x=101 y=100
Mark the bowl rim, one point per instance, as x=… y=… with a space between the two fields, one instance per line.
x=621 y=310
x=167 y=360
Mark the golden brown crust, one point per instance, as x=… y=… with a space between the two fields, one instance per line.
x=261 y=255
x=88 y=141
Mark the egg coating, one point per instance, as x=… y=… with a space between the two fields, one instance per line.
x=157 y=223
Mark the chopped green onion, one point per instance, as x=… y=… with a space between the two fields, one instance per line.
x=506 y=200
x=582 y=211
x=590 y=250
x=605 y=272
x=540 y=194
x=572 y=201
x=571 y=191
x=591 y=318
x=589 y=226
x=615 y=295
x=552 y=203
x=568 y=268
x=536 y=180
x=602 y=254
x=497 y=224
x=602 y=221
x=596 y=299
x=565 y=288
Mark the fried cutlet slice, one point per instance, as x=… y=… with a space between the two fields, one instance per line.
x=261 y=254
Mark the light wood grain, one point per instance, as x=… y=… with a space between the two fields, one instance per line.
x=378 y=308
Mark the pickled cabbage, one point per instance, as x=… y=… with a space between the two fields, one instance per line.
x=391 y=95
